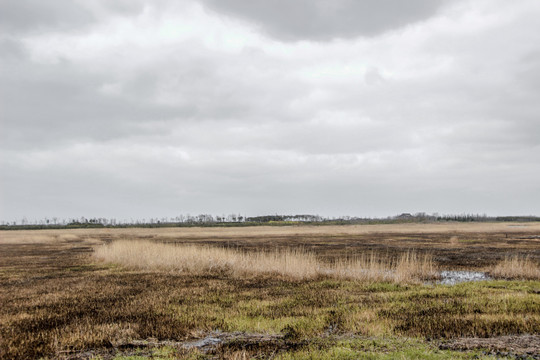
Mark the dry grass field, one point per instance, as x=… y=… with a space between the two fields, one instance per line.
x=270 y=292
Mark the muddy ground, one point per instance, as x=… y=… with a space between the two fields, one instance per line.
x=452 y=251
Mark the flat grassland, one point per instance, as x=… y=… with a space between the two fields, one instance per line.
x=61 y=300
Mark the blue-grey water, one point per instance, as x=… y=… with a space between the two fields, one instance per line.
x=455 y=277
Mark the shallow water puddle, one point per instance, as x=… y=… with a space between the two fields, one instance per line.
x=455 y=277
x=207 y=342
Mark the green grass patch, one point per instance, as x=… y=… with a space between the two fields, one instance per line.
x=379 y=348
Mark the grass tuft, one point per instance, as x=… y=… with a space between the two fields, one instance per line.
x=516 y=267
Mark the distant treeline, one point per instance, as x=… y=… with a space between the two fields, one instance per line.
x=208 y=220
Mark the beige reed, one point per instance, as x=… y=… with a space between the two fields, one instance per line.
x=295 y=263
x=516 y=267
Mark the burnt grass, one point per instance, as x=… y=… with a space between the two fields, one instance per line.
x=57 y=301
x=455 y=250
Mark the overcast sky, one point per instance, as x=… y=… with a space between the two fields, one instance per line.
x=143 y=109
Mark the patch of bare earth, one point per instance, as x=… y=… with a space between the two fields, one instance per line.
x=214 y=343
x=526 y=346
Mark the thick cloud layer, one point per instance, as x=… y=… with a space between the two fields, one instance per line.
x=147 y=109
x=33 y=16
x=323 y=20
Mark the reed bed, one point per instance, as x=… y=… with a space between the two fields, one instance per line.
x=516 y=268
x=294 y=263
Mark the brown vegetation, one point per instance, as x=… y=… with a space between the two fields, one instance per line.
x=516 y=267
x=452 y=245
x=294 y=263
x=58 y=301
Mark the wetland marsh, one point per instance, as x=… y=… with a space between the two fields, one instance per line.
x=61 y=301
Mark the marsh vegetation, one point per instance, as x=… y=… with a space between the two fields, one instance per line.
x=297 y=264
x=284 y=293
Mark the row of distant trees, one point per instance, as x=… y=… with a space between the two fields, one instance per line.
x=182 y=219
x=238 y=220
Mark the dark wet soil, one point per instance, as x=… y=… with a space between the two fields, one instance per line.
x=214 y=343
x=456 y=250
x=519 y=346
x=219 y=343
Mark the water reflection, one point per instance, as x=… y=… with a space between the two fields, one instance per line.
x=456 y=277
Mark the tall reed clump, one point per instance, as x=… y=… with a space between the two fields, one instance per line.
x=195 y=259
x=294 y=263
x=409 y=267
x=516 y=267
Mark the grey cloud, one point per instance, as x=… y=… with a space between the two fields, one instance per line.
x=136 y=129
x=34 y=16
x=255 y=185
x=69 y=188
x=11 y=50
x=191 y=84
x=326 y=20
x=529 y=72
x=64 y=101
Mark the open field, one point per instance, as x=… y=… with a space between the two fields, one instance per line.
x=61 y=301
